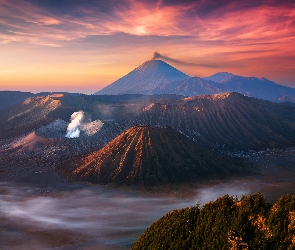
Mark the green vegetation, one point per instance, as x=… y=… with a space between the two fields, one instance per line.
x=227 y=223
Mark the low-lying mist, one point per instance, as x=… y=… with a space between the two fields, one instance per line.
x=78 y=216
x=92 y=217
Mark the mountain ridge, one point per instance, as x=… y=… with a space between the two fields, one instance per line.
x=148 y=156
x=158 y=77
x=143 y=79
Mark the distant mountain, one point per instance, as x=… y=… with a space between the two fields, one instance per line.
x=220 y=77
x=192 y=86
x=158 y=77
x=227 y=223
x=261 y=88
x=26 y=116
x=150 y=156
x=226 y=82
x=144 y=79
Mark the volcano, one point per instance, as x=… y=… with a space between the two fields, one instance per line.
x=228 y=121
x=156 y=77
x=147 y=156
x=144 y=79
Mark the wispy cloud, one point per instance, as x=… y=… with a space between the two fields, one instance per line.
x=204 y=20
x=193 y=34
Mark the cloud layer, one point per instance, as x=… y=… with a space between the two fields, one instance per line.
x=53 y=22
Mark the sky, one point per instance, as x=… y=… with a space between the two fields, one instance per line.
x=82 y=45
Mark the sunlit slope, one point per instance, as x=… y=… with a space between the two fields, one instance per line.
x=27 y=116
x=226 y=121
x=36 y=112
x=149 y=156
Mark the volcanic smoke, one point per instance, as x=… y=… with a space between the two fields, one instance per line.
x=157 y=55
x=80 y=124
x=73 y=130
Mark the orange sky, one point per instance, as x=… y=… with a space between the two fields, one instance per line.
x=82 y=46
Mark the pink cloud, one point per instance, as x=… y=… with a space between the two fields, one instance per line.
x=228 y=24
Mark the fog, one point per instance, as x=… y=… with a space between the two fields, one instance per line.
x=92 y=217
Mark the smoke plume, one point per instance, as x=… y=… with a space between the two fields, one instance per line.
x=157 y=55
x=73 y=130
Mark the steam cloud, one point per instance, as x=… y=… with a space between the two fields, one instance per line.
x=73 y=130
x=78 y=124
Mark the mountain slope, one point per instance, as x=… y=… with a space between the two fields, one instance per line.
x=157 y=77
x=227 y=223
x=220 y=77
x=150 y=156
x=261 y=88
x=226 y=121
x=39 y=111
x=26 y=116
x=192 y=86
x=9 y=98
x=144 y=79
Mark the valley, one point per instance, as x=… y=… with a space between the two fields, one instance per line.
x=40 y=208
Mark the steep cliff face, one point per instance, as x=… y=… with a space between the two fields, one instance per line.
x=150 y=156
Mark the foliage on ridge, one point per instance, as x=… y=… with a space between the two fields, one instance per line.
x=227 y=223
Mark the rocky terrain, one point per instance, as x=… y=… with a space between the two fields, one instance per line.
x=150 y=156
x=34 y=132
x=228 y=121
x=198 y=133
